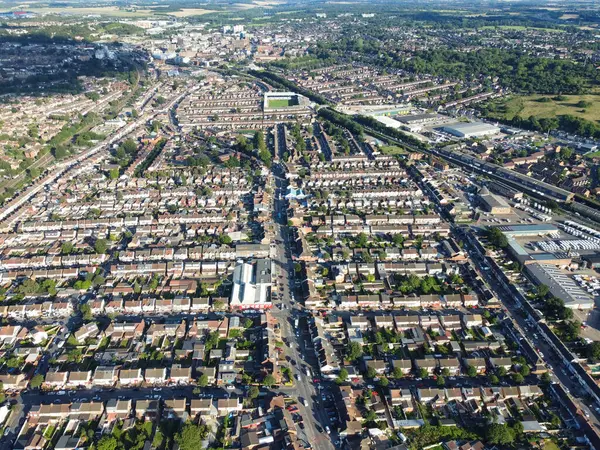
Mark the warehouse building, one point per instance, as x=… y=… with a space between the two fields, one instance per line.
x=493 y=203
x=505 y=190
x=560 y=285
x=471 y=129
x=518 y=230
x=415 y=122
x=252 y=285
x=523 y=257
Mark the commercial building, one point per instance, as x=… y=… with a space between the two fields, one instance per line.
x=493 y=203
x=560 y=285
x=252 y=285
x=471 y=129
x=415 y=122
x=520 y=254
x=528 y=230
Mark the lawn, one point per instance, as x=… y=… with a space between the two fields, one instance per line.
x=280 y=103
x=528 y=105
x=550 y=445
x=593 y=154
x=188 y=12
x=392 y=150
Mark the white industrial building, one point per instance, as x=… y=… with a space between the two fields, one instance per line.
x=252 y=285
x=471 y=129
x=561 y=285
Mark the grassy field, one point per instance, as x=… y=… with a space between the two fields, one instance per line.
x=280 y=103
x=525 y=106
x=187 y=12
x=549 y=445
x=522 y=28
x=392 y=150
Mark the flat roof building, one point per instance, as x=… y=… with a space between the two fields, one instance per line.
x=528 y=230
x=252 y=285
x=560 y=285
x=471 y=129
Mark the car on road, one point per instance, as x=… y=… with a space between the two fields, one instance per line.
x=305 y=402
x=230 y=387
x=328 y=429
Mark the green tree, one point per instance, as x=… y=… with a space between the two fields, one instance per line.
x=517 y=378
x=593 y=351
x=371 y=372
x=86 y=312
x=545 y=378
x=269 y=381
x=542 y=290
x=361 y=240
x=100 y=246
x=496 y=237
x=498 y=434
x=343 y=375
x=472 y=371
x=525 y=370
x=384 y=382
x=67 y=248
x=397 y=373
x=253 y=392
x=423 y=373
x=224 y=239
x=493 y=379
x=371 y=416
x=36 y=381
x=441 y=381
x=354 y=351
x=398 y=239
x=107 y=443
x=203 y=380
x=191 y=436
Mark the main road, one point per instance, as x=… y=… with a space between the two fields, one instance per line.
x=289 y=315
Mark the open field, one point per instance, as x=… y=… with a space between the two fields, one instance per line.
x=525 y=106
x=392 y=150
x=112 y=11
x=522 y=28
x=188 y=12
x=185 y=12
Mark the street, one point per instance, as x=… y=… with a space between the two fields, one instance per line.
x=295 y=336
